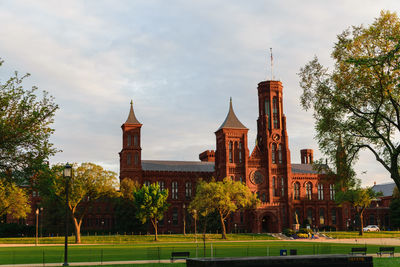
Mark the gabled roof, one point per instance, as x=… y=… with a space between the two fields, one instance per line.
x=231 y=121
x=177 y=166
x=386 y=189
x=304 y=168
x=132 y=118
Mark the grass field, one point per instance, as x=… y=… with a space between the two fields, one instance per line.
x=104 y=253
x=382 y=234
x=132 y=239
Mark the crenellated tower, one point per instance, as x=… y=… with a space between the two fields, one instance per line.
x=130 y=155
x=232 y=153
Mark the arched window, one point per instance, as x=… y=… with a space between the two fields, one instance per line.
x=274 y=187
x=332 y=192
x=263 y=198
x=174 y=190
x=280 y=153
x=268 y=112
x=275 y=112
x=188 y=189
x=282 y=186
x=309 y=216
x=333 y=212
x=135 y=140
x=175 y=216
x=136 y=159
x=129 y=159
x=240 y=152
x=273 y=153
x=230 y=152
x=321 y=216
x=296 y=189
x=309 y=191
x=320 y=192
x=129 y=140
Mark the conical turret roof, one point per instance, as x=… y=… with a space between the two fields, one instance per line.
x=132 y=118
x=231 y=121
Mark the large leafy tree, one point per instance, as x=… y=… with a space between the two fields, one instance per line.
x=25 y=119
x=359 y=100
x=223 y=197
x=359 y=198
x=89 y=182
x=13 y=200
x=395 y=208
x=151 y=204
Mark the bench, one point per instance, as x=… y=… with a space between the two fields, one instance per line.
x=361 y=251
x=179 y=255
x=386 y=250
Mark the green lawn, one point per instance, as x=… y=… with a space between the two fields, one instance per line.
x=103 y=253
x=132 y=239
x=382 y=234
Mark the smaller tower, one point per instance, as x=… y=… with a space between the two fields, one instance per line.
x=130 y=155
x=306 y=156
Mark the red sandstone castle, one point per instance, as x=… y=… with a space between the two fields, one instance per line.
x=289 y=193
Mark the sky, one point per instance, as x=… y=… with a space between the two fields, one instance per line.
x=179 y=61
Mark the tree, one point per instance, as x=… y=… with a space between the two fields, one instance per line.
x=223 y=197
x=359 y=101
x=151 y=203
x=88 y=183
x=395 y=208
x=13 y=200
x=24 y=129
x=359 y=198
x=125 y=208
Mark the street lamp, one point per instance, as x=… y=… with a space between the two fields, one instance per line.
x=41 y=222
x=184 y=219
x=67 y=173
x=37 y=225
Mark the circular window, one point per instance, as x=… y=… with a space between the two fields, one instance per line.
x=256 y=178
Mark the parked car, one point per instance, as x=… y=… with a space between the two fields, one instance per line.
x=371 y=228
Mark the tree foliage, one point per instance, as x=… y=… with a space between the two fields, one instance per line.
x=151 y=204
x=13 y=200
x=359 y=100
x=395 y=208
x=223 y=197
x=359 y=198
x=88 y=183
x=24 y=128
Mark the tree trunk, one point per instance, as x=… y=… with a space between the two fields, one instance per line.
x=154 y=222
x=223 y=226
x=361 y=224
x=77 y=230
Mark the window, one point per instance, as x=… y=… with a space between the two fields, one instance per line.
x=175 y=216
x=129 y=159
x=296 y=190
x=188 y=189
x=136 y=159
x=34 y=193
x=241 y=179
x=309 y=191
x=320 y=192
x=147 y=183
x=282 y=187
x=321 y=216
x=241 y=217
x=274 y=187
x=273 y=153
x=333 y=212
x=331 y=192
x=135 y=140
x=258 y=194
x=240 y=152
x=275 y=112
x=280 y=153
x=129 y=140
x=230 y=152
x=268 y=112
x=263 y=198
x=174 y=190
x=161 y=184
x=372 y=219
x=309 y=216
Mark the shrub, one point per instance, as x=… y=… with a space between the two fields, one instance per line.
x=305 y=231
x=288 y=232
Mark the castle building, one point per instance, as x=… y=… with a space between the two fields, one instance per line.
x=289 y=193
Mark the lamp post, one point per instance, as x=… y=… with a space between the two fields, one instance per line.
x=41 y=222
x=37 y=226
x=67 y=173
x=184 y=219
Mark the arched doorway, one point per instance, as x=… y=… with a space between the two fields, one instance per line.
x=269 y=223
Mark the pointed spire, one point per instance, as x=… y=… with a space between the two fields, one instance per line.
x=231 y=121
x=132 y=118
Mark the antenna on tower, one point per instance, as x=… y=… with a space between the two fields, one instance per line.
x=272 y=64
